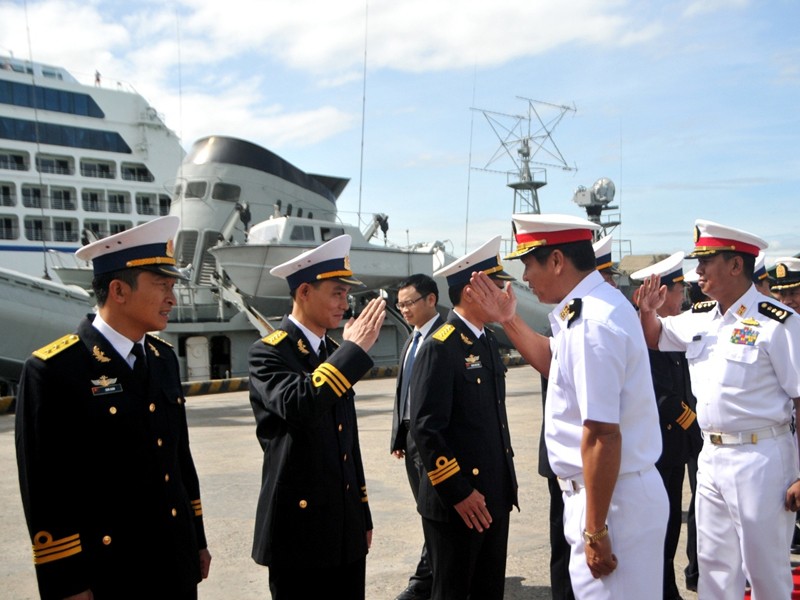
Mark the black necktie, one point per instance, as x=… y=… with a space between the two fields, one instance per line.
x=323 y=351
x=140 y=366
x=412 y=353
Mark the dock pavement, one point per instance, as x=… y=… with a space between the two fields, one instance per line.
x=228 y=459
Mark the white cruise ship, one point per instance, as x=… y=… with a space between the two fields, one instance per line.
x=75 y=158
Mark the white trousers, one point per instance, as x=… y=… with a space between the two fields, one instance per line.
x=743 y=529
x=637 y=524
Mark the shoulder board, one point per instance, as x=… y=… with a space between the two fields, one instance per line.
x=443 y=332
x=774 y=311
x=159 y=339
x=332 y=342
x=53 y=348
x=700 y=307
x=571 y=311
x=274 y=338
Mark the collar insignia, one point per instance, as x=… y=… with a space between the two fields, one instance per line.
x=99 y=355
x=741 y=310
x=466 y=340
x=153 y=349
x=302 y=347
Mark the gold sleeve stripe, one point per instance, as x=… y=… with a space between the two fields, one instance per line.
x=444 y=470
x=687 y=418
x=46 y=550
x=326 y=373
x=198 y=508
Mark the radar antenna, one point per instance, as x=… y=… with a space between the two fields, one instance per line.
x=528 y=141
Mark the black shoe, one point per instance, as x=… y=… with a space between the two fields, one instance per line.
x=412 y=593
x=691 y=585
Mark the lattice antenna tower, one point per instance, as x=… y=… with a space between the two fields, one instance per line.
x=527 y=140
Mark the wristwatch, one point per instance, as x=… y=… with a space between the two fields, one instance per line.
x=591 y=538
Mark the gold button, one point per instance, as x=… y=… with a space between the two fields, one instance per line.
x=166 y=477
x=669 y=427
x=160 y=442
x=180 y=400
x=347 y=487
x=479 y=379
x=113 y=410
x=303 y=504
x=152 y=407
x=106 y=540
x=475 y=471
x=174 y=512
x=345 y=457
x=340 y=426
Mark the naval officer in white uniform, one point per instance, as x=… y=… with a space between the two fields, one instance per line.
x=601 y=422
x=743 y=351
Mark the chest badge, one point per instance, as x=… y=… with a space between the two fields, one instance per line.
x=750 y=322
x=105 y=385
x=472 y=362
x=745 y=336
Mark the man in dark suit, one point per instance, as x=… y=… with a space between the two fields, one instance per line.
x=460 y=426
x=681 y=438
x=109 y=488
x=313 y=525
x=417 y=298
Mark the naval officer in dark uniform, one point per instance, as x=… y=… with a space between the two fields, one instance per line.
x=460 y=426
x=417 y=298
x=110 y=491
x=313 y=525
x=681 y=438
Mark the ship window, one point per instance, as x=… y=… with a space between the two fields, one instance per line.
x=62 y=135
x=36 y=230
x=118 y=202
x=328 y=233
x=163 y=204
x=304 y=233
x=144 y=204
x=226 y=191
x=8 y=228
x=65 y=230
x=62 y=198
x=32 y=197
x=13 y=161
x=96 y=227
x=97 y=168
x=195 y=189
x=118 y=226
x=60 y=165
x=23 y=94
x=7 y=195
x=136 y=172
x=93 y=201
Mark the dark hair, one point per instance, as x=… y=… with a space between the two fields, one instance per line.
x=314 y=284
x=580 y=254
x=101 y=282
x=455 y=292
x=424 y=284
x=748 y=262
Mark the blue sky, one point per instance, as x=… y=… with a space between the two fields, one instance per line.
x=690 y=107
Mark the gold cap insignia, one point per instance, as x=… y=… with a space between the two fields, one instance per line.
x=170 y=248
x=780 y=270
x=347 y=262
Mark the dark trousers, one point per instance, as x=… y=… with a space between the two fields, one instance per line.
x=467 y=564
x=672 y=476
x=305 y=583
x=422 y=579
x=692 y=571
x=560 y=582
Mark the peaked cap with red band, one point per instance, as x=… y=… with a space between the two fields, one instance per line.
x=537 y=231
x=711 y=238
x=148 y=246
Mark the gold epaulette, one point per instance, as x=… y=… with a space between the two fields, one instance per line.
x=443 y=332
x=705 y=306
x=160 y=340
x=274 y=338
x=53 y=348
x=773 y=311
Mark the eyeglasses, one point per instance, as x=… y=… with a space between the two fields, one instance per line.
x=408 y=303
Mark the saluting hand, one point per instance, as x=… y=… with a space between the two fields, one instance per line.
x=499 y=304
x=650 y=295
x=364 y=330
x=599 y=557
